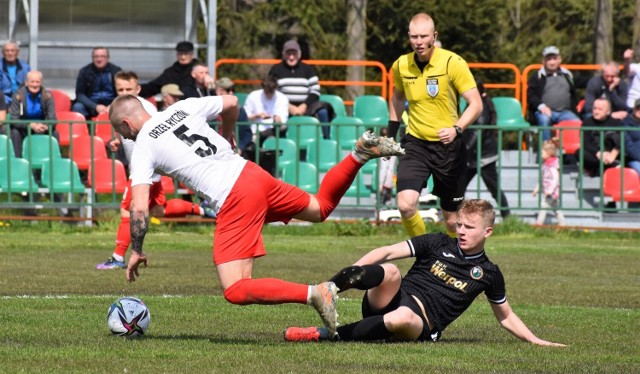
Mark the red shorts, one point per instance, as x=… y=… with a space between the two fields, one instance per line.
x=256 y=198
x=156 y=196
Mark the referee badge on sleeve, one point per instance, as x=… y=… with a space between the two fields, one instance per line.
x=432 y=87
x=476 y=273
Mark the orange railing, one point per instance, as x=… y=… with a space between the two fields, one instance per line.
x=258 y=61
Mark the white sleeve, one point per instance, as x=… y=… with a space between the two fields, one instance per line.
x=282 y=107
x=141 y=168
x=209 y=106
x=250 y=104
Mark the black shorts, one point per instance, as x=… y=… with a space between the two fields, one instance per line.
x=402 y=298
x=446 y=162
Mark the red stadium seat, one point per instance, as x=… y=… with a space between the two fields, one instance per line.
x=110 y=176
x=61 y=100
x=570 y=138
x=103 y=128
x=612 y=184
x=70 y=125
x=86 y=148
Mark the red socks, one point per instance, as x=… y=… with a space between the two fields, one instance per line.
x=180 y=208
x=336 y=183
x=266 y=291
x=123 y=237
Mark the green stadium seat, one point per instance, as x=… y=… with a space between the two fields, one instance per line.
x=323 y=153
x=288 y=148
x=40 y=149
x=6 y=148
x=347 y=130
x=302 y=174
x=509 y=113
x=371 y=109
x=16 y=175
x=359 y=188
x=242 y=97
x=336 y=103
x=303 y=130
x=62 y=175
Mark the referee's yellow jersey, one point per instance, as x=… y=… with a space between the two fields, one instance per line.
x=433 y=93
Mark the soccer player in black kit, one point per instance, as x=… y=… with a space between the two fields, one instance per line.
x=447 y=275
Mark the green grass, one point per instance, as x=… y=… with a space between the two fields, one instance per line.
x=573 y=287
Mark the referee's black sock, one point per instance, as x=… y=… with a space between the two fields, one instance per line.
x=370 y=328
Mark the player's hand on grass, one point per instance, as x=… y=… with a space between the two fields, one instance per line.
x=132 y=268
x=548 y=343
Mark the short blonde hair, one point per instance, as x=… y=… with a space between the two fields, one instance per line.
x=481 y=207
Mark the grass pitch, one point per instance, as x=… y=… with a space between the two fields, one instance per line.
x=572 y=287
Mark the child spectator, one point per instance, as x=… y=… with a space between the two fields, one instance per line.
x=550 y=183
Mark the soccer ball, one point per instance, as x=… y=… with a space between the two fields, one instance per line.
x=128 y=316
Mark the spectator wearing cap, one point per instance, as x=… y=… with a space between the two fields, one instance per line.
x=95 y=84
x=225 y=86
x=300 y=83
x=179 y=73
x=170 y=95
x=632 y=137
x=551 y=94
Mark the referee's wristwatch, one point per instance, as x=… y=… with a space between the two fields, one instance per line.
x=458 y=130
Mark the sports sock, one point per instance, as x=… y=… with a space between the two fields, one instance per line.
x=123 y=238
x=181 y=208
x=335 y=183
x=414 y=225
x=373 y=277
x=266 y=291
x=370 y=328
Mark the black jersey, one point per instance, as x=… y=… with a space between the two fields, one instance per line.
x=446 y=281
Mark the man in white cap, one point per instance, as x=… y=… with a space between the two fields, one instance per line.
x=551 y=95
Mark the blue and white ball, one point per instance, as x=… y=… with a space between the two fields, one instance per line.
x=128 y=316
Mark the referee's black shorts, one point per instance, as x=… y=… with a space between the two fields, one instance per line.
x=446 y=162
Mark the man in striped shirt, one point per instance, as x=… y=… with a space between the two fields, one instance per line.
x=299 y=82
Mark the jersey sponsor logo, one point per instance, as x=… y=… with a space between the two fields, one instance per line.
x=165 y=126
x=450 y=255
x=476 y=273
x=432 y=87
x=439 y=270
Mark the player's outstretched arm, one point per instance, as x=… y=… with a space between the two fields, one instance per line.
x=512 y=323
x=229 y=117
x=139 y=226
x=385 y=254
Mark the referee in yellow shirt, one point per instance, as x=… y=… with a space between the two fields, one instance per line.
x=431 y=79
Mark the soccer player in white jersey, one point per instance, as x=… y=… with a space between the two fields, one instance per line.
x=127 y=83
x=179 y=142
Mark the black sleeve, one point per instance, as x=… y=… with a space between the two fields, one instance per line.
x=496 y=292
x=426 y=244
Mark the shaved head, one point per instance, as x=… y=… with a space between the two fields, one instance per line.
x=126 y=115
x=422 y=35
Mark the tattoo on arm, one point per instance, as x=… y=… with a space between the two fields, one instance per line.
x=139 y=225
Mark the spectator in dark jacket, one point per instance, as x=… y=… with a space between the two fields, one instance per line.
x=607 y=85
x=179 y=73
x=551 y=94
x=593 y=154
x=13 y=71
x=632 y=137
x=488 y=151
x=31 y=102
x=95 y=85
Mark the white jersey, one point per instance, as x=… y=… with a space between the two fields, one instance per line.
x=257 y=102
x=127 y=144
x=634 y=85
x=179 y=142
